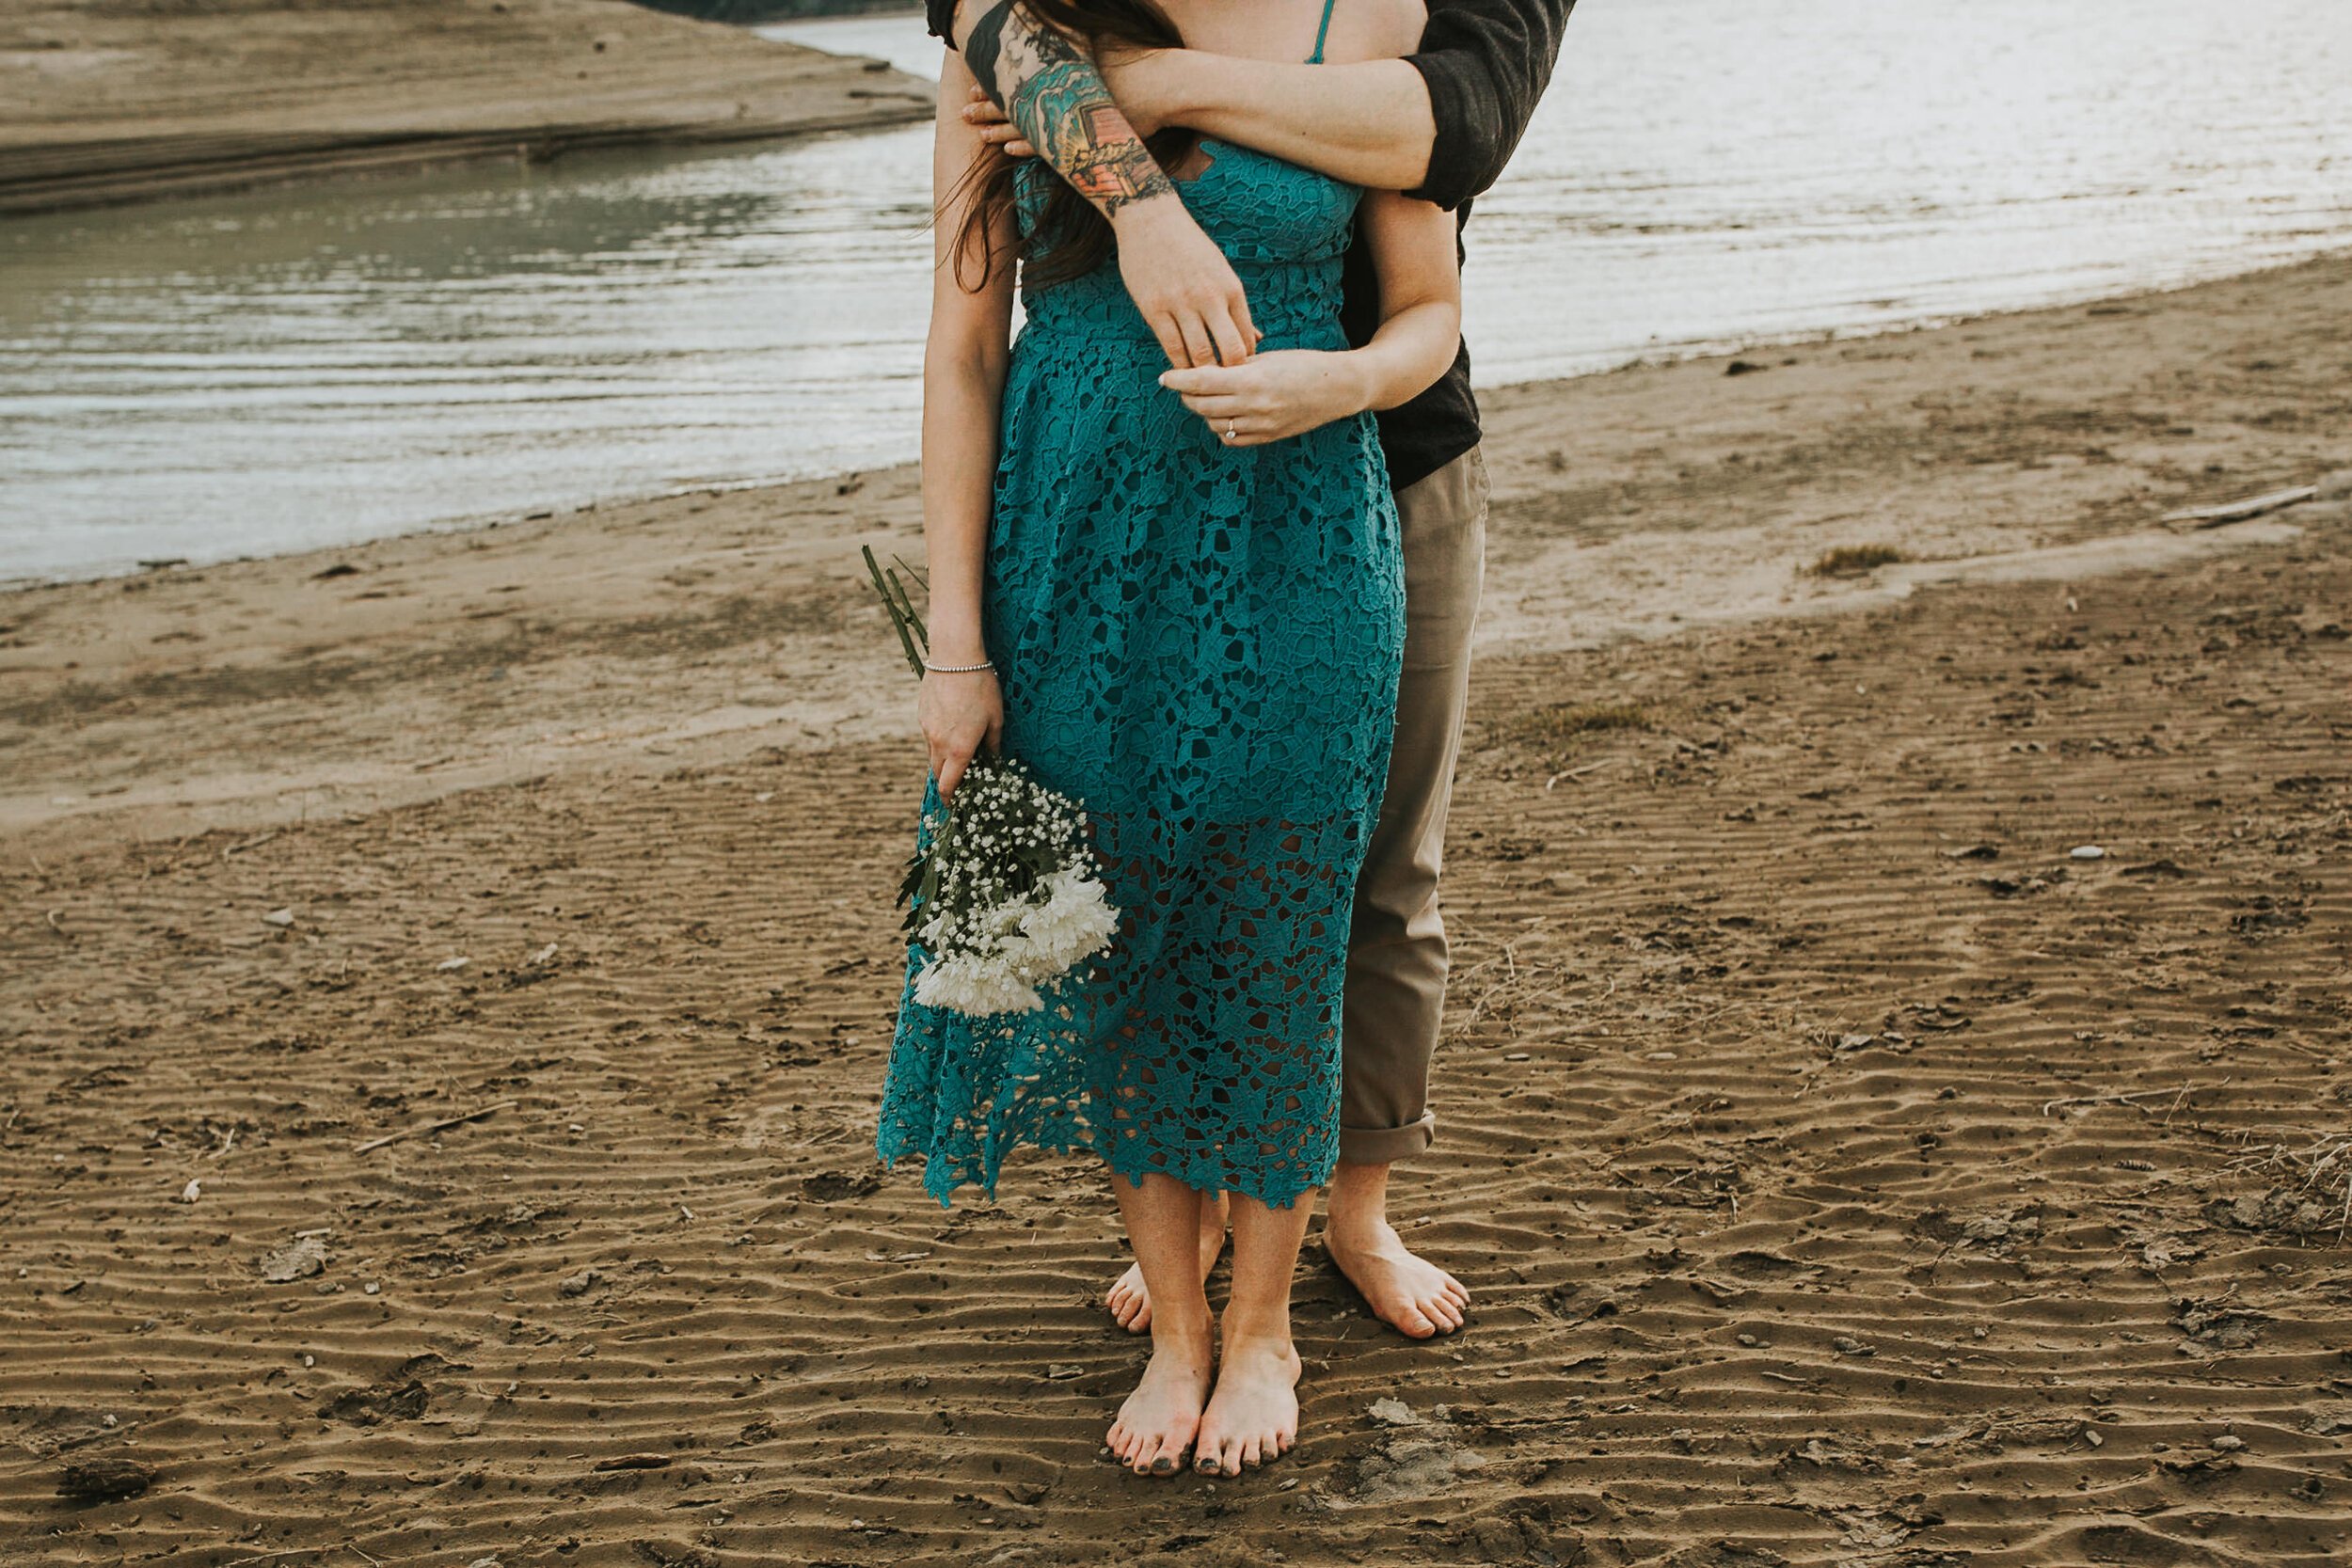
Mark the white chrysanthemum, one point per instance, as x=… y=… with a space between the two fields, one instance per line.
x=988 y=949
x=1075 y=921
x=973 y=984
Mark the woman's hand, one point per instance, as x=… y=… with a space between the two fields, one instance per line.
x=961 y=711
x=1277 y=395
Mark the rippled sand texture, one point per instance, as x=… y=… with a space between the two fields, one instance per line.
x=1845 y=1173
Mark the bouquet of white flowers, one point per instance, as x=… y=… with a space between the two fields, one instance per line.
x=1002 y=891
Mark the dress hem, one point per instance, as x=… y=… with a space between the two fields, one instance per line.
x=1272 y=1197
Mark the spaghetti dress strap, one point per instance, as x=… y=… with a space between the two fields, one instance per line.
x=1322 y=32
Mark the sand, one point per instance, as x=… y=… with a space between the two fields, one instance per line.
x=1847 y=1172
x=127 y=100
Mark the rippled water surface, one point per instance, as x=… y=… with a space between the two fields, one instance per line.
x=264 y=372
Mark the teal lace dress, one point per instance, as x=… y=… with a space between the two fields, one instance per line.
x=1201 y=646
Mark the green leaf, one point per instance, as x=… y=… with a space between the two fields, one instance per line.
x=899 y=617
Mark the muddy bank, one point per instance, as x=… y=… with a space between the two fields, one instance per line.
x=125 y=102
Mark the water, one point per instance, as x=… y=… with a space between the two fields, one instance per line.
x=272 y=371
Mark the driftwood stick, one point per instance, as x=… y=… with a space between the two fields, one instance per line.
x=1577 y=774
x=2237 y=512
x=2132 y=1100
x=433 y=1126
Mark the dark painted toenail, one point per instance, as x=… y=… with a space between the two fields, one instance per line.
x=1163 y=1465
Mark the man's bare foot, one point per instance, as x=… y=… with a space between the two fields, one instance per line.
x=1162 y=1417
x=1404 y=1291
x=1129 y=1300
x=1253 y=1415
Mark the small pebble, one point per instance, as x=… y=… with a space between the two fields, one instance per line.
x=2229 y=1445
x=2088 y=852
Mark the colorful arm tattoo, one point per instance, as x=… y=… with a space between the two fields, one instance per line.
x=1057 y=98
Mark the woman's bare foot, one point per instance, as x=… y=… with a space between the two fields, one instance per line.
x=1130 y=1300
x=1253 y=1417
x=1403 y=1289
x=1162 y=1417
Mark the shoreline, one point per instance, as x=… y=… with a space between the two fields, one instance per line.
x=1638 y=505
x=103 y=108
x=1707 y=352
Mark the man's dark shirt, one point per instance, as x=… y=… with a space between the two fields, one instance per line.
x=1486 y=62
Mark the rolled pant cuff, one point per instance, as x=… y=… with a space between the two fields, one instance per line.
x=1386 y=1146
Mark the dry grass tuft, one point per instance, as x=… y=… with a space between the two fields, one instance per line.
x=1852 y=560
x=1558 y=725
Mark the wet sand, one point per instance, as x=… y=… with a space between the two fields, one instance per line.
x=110 y=104
x=1846 y=1171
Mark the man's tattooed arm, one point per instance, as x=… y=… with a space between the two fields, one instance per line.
x=1051 y=91
x=1181 y=283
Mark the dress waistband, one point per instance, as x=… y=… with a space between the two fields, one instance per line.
x=1288 y=300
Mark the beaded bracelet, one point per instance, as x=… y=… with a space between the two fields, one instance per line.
x=959 y=669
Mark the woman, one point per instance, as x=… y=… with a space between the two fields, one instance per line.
x=1188 y=613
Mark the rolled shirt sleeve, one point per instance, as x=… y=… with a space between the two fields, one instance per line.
x=1486 y=63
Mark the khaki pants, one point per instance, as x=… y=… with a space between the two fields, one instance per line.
x=1396 y=951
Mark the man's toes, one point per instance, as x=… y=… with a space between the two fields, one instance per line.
x=1141 y=1319
x=1411 y=1320
x=1454 y=1292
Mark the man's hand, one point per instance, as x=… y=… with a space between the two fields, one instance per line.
x=1183 y=285
x=996 y=127
x=1273 y=397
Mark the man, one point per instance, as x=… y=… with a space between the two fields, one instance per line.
x=1439 y=125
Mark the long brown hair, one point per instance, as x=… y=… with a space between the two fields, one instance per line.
x=1070 y=237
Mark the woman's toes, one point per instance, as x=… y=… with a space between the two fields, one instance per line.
x=1253 y=1453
